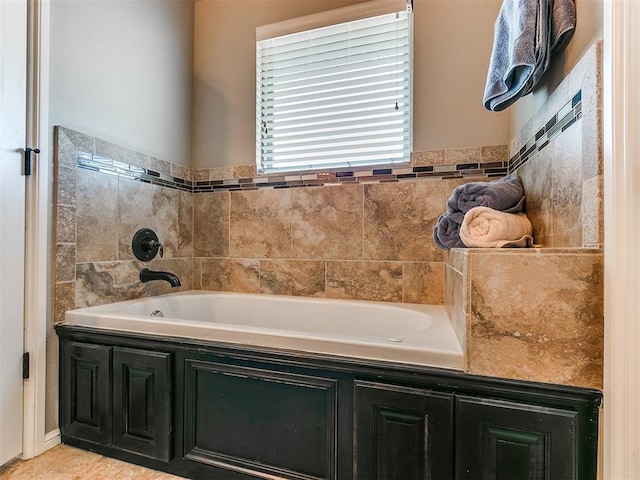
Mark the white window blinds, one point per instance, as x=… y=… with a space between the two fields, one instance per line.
x=336 y=96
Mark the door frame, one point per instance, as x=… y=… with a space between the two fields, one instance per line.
x=621 y=124
x=38 y=232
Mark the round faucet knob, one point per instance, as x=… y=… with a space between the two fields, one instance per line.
x=145 y=245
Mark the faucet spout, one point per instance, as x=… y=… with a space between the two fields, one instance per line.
x=147 y=275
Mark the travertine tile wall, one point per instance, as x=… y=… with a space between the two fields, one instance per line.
x=97 y=214
x=358 y=235
x=537 y=314
x=563 y=180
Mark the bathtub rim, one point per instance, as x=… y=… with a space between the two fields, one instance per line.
x=409 y=352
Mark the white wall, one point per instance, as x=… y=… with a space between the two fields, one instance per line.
x=121 y=70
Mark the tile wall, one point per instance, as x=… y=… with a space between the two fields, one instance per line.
x=97 y=213
x=537 y=314
x=350 y=234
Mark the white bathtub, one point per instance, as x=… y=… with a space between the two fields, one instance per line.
x=406 y=333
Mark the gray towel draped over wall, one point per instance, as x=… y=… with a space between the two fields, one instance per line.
x=526 y=34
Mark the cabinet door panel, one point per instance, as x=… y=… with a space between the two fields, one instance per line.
x=497 y=439
x=86 y=394
x=142 y=385
x=402 y=433
x=260 y=422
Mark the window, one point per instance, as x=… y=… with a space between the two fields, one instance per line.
x=336 y=96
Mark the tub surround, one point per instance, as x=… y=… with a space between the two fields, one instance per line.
x=356 y=234
x=537 y=314
x=369 y=239
x=534 y=314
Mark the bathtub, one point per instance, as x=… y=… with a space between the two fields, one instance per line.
x=404 y=333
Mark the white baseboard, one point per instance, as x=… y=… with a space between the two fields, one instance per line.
x=52 y=439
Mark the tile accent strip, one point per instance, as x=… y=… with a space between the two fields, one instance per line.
x=562 y=120
x=558 y=123
x=109 y=166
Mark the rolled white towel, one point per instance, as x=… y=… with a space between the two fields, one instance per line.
x=484 y=227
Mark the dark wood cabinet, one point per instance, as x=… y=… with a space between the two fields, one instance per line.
x=402 y=433
x=497 y=439
x=142 y=389
x=85 y=391
x=117 y=397
x=266 y=422
x=216 y=411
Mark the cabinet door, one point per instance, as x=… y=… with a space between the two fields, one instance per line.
x=85 y=390
x=498 y=439
x=142 y=388
x=260 y=422
x=402 y=433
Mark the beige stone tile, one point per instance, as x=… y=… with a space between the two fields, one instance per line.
x=65 y=150
x=537 y=179
x=109 y=150
x=244 y=171
x=108 y=282
x=592 y=161
x=260 y=224
x=381 y=281
x=454 y=303
x=136 y=159
x=160 y=166
x=211 y=224
x=399 y=220
x=81 y=141
x=592 y=212
x=196 y=276
x=185 y=224
x=65 y=299
x=428 y=157
x=456 y=259
x=537 y=317
x=221 y=173
x=463 y=155
x=181 y=267
x=65 y=224
x=231 y=275
x=65 y=262
x=566 y=191
x=495 y=153
x=66 y=186
x=293 y=277
x=97 y=216
x=201 y=174
x=423 y=282
x=141 y=205
x=181 y=171
x=327 y=222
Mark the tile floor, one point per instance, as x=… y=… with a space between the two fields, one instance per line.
x=68 y=463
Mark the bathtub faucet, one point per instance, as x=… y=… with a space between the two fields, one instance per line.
x=147 y=275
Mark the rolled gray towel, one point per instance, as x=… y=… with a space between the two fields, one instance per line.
x=446 y=231
x=505 y=194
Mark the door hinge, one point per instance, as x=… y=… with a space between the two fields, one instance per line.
x=25 y=365
x=27 y=159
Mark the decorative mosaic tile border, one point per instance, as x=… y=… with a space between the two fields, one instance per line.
x=563 y=119
x=109 y=166
x=374 y=175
